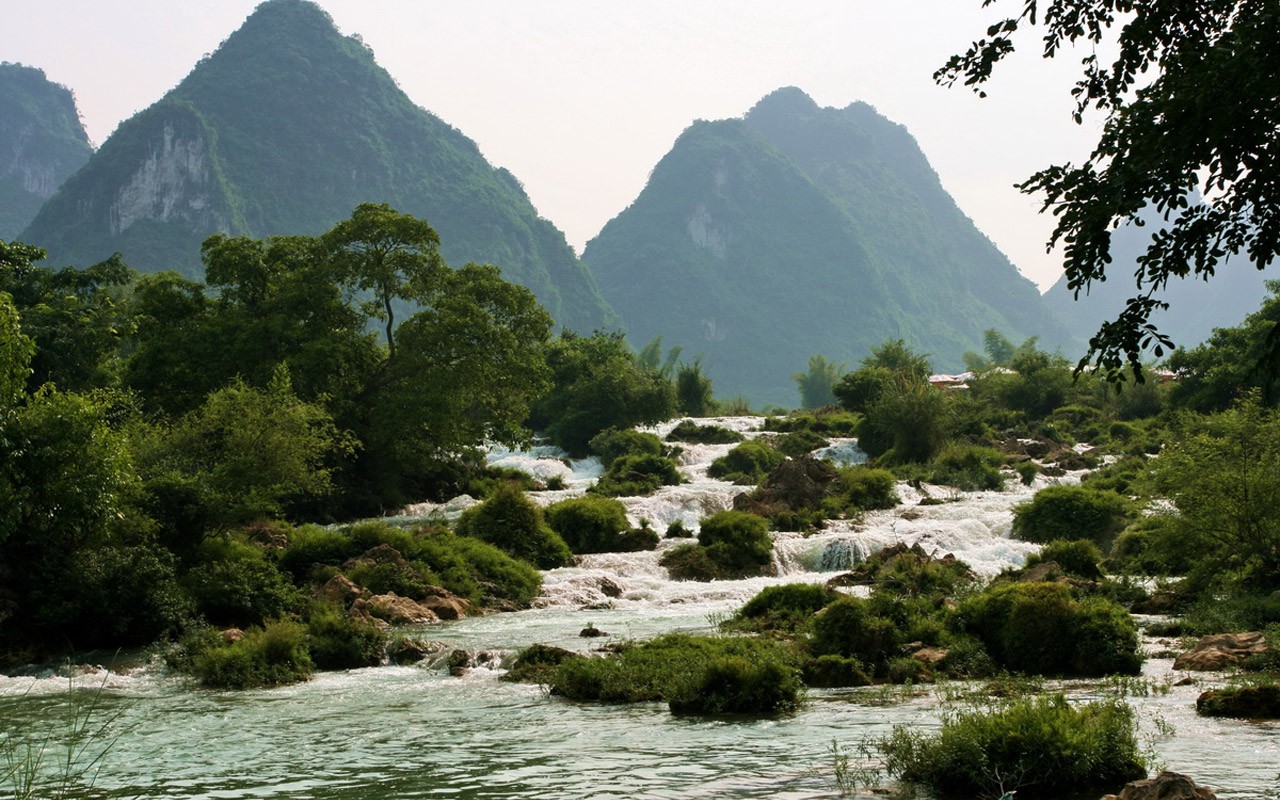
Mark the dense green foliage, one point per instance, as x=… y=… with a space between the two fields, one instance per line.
x=597 y=383
x=589 y=524
x=511 y=522
x=747 y=463
x=1040 y=628
x=1072 y=512
x=289 y=125
x=151 y=433
x=799 y=230
x=270 y=656
x=690 y=431
x=1041 y=748
x=731 y=544
x=696 y=675
x=1187 y=133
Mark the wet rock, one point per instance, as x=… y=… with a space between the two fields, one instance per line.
x=445 y=604
x=361 y=613
x=1159 y=602
x=1042 y=572
x=268 y=537
x=340 y=589
x=536 y=662
x=930 y=656
x=410 y=651
x=382 y=554
x=1241 y=702
x=591 y=632
x=1165 y=786
x=610 y=588
x=398 y=610
x=459 y=662
x=794 y=484
x=1221 y=651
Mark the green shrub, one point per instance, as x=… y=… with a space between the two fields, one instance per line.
x=385 y=577
x=536 y=663
x=966 y=658
x=1080 y=558
x=511 y=522
x=589 y=524
x=270 y=656
x=338 y=641
x=1027 y=472
x=637 y=475
x=1040 y=629
x=613 y=444
x=312 y=545
x=677 y=530
x=738 y=685
x=968 y=468
x=1072 y=512
x=865 y=489
x=832 y=671
x=635 y=540
x=236 y=585
x=690 y=562
x=849 y=627
x=749 y=462
x=692 y=432
x=671 y=666
x=823 y=421
x=1241 y=702
x=731 y=544
x=738 y=543
x=799 y=443
x=785 y=607
x=1040 y=748
x=1121 y=477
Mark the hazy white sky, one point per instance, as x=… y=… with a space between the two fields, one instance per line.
x=581 y=98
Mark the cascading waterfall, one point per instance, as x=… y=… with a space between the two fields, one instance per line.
x=449 y=726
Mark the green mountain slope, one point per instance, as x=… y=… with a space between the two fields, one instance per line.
x=41 y=143
x=800 y=230
x=284 y=130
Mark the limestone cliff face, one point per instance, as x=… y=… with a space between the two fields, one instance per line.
x=176 y=182
x=41 y=143
x=154 y=191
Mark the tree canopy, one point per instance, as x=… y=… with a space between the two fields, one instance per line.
x=1190 y=104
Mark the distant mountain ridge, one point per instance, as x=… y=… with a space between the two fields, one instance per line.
x=42 y=142
x=284 y=130
x=1195 y=308
x=800 y=230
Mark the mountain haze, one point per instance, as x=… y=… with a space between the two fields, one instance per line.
x=1196 y=307
x=800 y=230
x=284 y=130
x=41 y=142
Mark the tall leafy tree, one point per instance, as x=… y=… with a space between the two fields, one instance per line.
x=815 y=384
x=1189 y=105
x=390 y=255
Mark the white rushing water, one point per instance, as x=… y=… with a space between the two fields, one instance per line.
x=416 y=732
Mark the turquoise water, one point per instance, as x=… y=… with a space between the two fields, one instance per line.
x=416 y=732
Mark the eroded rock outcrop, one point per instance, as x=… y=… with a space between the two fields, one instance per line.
x=1221 y=651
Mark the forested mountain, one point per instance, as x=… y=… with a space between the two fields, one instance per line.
x=801 y=230
x=1195 y=309
x=284 y=130
x=41 y=143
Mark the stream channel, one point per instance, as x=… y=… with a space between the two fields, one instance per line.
x=417 y=732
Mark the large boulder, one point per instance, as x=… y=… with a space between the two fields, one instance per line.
x=381 y=554
x=1241 y=702
x=1221 y=651
x=794 y=484
x=445 y=604
x=397 y=610
x=1165 y=786
x=339 y=589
